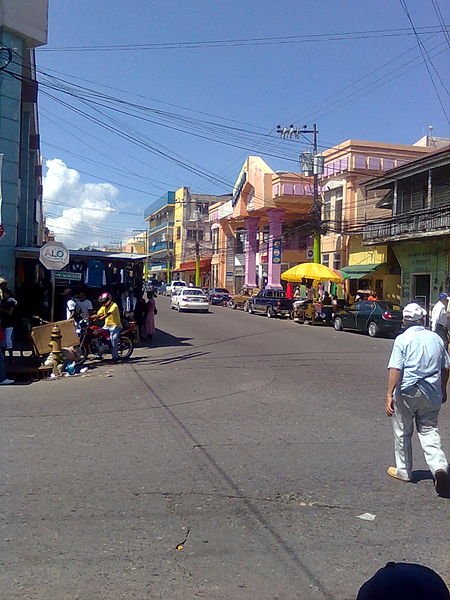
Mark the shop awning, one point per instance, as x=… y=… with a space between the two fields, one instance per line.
x=205 y=263
x=359 y=271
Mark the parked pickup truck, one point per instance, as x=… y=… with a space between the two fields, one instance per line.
x=272 y=303
x=242 y=299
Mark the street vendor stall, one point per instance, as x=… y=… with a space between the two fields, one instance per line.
x=308 y=309
x=88 y=270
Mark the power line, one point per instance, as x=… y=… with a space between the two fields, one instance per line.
x=426 y=56
x=274 y=40
x=438 y=12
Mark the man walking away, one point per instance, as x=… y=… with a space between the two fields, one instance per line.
x=417 y=387
x=439 y=318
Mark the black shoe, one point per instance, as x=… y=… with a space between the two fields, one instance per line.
x=441 y=483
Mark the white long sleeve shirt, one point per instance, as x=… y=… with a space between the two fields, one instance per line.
x=438 y=315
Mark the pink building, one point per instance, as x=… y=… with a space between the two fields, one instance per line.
x=260 y=232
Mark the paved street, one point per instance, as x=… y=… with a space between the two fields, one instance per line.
x=254 y=443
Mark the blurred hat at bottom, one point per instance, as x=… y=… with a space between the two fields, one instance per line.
x=404 y=581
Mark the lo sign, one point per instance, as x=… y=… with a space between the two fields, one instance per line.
x=54 y=256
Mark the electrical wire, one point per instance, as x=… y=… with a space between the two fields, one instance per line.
x=438 y=12
x=426 y=60
x=274 y=40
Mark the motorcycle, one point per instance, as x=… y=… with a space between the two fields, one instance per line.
x=96 y=340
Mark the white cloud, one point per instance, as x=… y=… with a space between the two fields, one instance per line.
x=88 y=206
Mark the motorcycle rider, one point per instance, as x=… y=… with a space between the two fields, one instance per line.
x=109 y=311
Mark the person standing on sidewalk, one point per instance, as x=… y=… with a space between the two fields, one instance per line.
x=8 y=307
x=417 y=386
x=439 y=322
x=3 y=379
x=148 y=328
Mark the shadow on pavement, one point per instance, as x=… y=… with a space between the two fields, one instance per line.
x=421 y=475
x=162 y=339
x=166 y=360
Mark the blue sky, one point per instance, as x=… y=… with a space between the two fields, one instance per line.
x=375 y=88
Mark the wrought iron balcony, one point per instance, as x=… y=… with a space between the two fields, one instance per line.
x=160 y=246
x=423 y=223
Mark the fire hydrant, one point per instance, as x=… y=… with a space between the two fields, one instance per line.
x=56 y=339
x=55 y=359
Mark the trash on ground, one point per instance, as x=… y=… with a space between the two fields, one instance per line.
x=367 y=517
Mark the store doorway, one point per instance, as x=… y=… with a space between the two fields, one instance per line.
x=420 y=292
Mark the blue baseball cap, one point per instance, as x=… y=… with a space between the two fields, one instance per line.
x=443 y=296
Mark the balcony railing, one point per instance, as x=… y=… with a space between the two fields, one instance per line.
x=160 y=246
x=408 y=225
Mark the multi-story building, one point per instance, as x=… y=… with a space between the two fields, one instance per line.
x=417 y=229
x=345 y=208
x=136 y=244
x=23 y=27
x=160 y=223
x=263 y=229
x=192 y=235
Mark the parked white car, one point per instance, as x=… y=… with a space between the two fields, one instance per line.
x=188 y=298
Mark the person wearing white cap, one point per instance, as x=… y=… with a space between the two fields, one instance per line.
x=417 y=386
x=439 y=318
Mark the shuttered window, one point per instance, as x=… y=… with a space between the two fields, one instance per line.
x=412 y=193
x=440 y=187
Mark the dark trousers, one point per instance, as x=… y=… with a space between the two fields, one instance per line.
x=442 y=332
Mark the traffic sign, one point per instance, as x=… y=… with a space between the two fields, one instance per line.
x=309 y=253
x=54 y=256
x=66 y=276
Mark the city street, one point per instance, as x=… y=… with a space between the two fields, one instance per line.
x=230 y=460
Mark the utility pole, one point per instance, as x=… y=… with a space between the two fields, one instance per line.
x=197 y=250
x=197 y=264
x=311 y=165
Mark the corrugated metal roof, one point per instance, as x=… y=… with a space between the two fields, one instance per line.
x=87 y=253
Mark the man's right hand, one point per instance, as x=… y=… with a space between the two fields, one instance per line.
x=389 y=405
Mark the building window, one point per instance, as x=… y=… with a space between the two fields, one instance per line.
x=215 y=240
x=339 y=193
x=178 y=233
x=337 y=260
x=326 y=259
x=190 y=234
x=240 y=241
x=326 y=213
x=332 y=208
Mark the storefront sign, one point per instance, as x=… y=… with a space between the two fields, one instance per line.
x=276 y=252
x=68 y=276
x=54 y=256
x=238 y=188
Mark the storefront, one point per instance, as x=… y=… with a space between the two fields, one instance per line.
x=425 y=270
x=92 y=272
x=186 y=272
